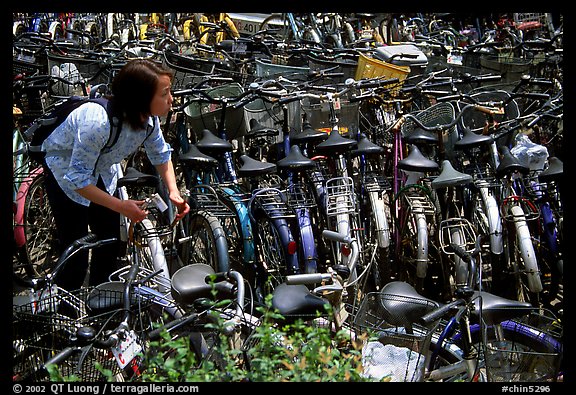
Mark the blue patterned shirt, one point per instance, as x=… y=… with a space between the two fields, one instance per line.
x=74 y=148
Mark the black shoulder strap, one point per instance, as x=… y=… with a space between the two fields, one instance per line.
x=115 y=121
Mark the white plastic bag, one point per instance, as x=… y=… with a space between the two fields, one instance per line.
x=396 y=363
x=69 y=72
x=529 y=153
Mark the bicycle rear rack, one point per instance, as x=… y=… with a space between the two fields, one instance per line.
x=374 y=182
x=204 y=197
x=461 y=226
x=299 y=196
x=340 y=197
x=419 y=203
x=272 y=202
x=529 y=209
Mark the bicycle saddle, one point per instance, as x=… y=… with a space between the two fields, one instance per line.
x=107 y=297
x=296 y=301
x=554 y=170
x=420 y=136
x=450 y=177
x=470 y=140
x=195 y=158
x=399 y=304
x=295 y=160
x=252 y=167
x=211 y=144
x=509 y=164
x=496 y=309
x=192 y=282
x=259 y=130
x=133 y=177
x=335 y=144
x=308 y=135
x=415 y=161
x=366 y=147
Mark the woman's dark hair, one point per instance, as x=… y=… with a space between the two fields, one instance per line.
x=134 y=87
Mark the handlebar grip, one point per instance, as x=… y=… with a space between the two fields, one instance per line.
x=536 y=95
x=311 y=278
x=448 y=98
x=542 y=82
x=466 y=257
x=439 y=312
x=184 y=320
x=488 y=78
x=335 y=236
x=61 y=356
x=284 y=100
x=89 y=238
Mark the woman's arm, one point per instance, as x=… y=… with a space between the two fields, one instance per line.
x=129 y=208
x=166 y=171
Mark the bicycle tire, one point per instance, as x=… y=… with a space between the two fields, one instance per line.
x=151 y=252
x=284 y=33
x=517 y=336
x=485 y=217
x=377 y=242
x=523 y=261
x=42 y=244
x=272 y=252
x=206 y=242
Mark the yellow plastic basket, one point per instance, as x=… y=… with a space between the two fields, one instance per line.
x=371 y=68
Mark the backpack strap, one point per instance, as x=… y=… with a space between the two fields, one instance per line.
x=115 y=121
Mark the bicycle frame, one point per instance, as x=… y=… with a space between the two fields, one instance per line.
x=226 y=174
x=307 y=239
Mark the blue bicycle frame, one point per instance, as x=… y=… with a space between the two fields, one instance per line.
x=307 y=239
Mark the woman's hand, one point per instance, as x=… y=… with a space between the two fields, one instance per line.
x=181 y=205
x=132 y=209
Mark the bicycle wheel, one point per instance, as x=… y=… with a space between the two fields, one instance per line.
x=529 y=350
x=280 y=26
x=377 y=240
x=272 y=252
x=489 y=227
x=42 y=244
x=205 y=242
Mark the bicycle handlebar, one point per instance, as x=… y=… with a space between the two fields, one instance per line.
x=396 y=126
x=87 y=242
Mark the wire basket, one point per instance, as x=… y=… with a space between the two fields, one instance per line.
x=530 y=17
x=33 y=102
x=511 y=68
x=438 y=114
x=345 y=65
x=76 y=67
x=318 y=114
x=374 y=182
x=265 y=68
x=29 y=59
x=402 y=348
x=265 y=113
x=208 y=115
x=482 y=173
x=509 y=361
x=459 y=231
x=46 y=325
x=188 y=70
x=372 y=68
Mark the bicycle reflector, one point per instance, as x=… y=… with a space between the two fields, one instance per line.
x=345 y=250
x=292 y=247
